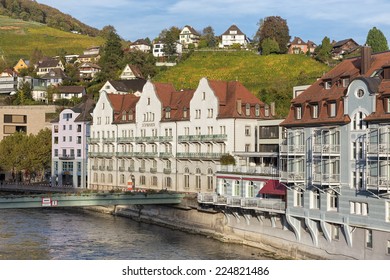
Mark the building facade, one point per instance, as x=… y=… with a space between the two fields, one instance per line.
x=334 y=160
x=69 y=146
x=168 y=139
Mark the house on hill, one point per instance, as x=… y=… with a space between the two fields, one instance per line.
x=131 y=72
x=21 y=64
x=141 y=45
x=233 y=35
x=298 y=46
x=133 y=86
x=55 y=77
x=189 y=35
x=46 y=65
x=88 y=70
x=344 y=47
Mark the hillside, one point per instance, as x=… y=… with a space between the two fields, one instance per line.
x=271 y=77
x=30 y=10
x=19 y=38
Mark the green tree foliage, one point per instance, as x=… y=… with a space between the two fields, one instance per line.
x=111 y=60
x=208 y=38
x=273 y=27
x=32 y=10
x=270 y=46
x=29 y=154
x=377 y=40
x=145 y=62
x=324 y=51
x=170 y=37
x=24 y=95
x=106 y=30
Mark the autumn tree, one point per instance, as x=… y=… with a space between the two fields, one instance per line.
x=145 y=62
x=169 y=38
x=208 y=38
x=273 y=27
x=377 y=40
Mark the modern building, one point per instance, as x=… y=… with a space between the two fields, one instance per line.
x=168 y=139
x=69 y=146
x=28 y=119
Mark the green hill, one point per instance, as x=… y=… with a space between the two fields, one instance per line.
x=271 y=77
x=19 y=38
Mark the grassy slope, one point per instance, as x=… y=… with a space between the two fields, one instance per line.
x=19 y=38
x=279 y=72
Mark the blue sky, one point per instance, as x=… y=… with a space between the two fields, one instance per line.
x=307 y=19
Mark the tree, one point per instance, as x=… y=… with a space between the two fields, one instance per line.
x=24 y=95
x=269 y=46
x=111 y=60
x=324 y=51
x=273 y=27
x=208 y=37
x=169 y=38
x=146 y=62
x=376 y=40
x=106 y=30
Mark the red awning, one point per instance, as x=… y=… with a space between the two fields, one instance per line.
x=273 y=187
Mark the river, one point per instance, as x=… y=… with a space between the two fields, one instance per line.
x=66 y=234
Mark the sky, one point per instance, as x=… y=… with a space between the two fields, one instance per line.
x=307 y=19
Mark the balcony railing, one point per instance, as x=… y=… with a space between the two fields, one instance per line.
x=326 y=149
x=326 y=179
x=165 y=155
x=141 y=169
x=378 y=181
x=167 y=170
x=66 y=157
x=270 y=205
x=292 y=176
x=93 y=140
x=131 y=169
x=122 y=169
x=94 y=167
x=125 y=139
x=378 y=148
x=109 y=139
x=203 y=138
x=213 y=156
x=153 y=169
x=292 y=149
x=145 y=154
x=263 y=170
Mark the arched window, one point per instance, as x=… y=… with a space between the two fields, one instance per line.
x=358 y=122
x=110 y=179
x=102 y=178
x=247 y=109
x=198 y=181
x=266 y=110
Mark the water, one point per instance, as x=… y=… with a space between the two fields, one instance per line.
x=46 y=234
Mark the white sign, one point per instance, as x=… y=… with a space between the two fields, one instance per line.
x=46 y=201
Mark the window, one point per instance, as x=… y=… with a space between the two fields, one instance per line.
x=142 y=180
x=266 y=110
x=316 y=201
x=78 y=152
x=335 y=232
x=298 y=112
x=257 y=110
x=314 y=111
x=79 y=128
x=345 y=82
x=247 y=131
x=56 y=152
x=359 y=93
x=186 y=178
x=333 y=200
x=358 y=208
x=168 y=182
x=78 y=139
x=298 y=198
x=332 y=109
x=185 y=112
x=328 y=84
x=168 y=113
x=387 y=104
x=148 y=100
x=369 y=238
x=198 y=181
x=269 y=132
x=247 y=109
x=358 y=122
x=247 y=147
x=154 y=181
x=210 y=180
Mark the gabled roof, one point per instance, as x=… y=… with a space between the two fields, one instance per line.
x=136 y=71
x=140 y=42
x=55 y=73
x=233 y=28
x=298 y=41
x=133 y=85
x=121 y=105
x=343 y=42
x=85 y=109
x=191 y=29
x=89 y=65
x=48 y=63
x=71 y=89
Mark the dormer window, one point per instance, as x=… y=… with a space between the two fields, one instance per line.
x=345 y=82
x=130 y=115
x=185 y=112
x=247 y=109
x=266 y=110
x=168 y=113
x=257 y=110
x=387 y=105
x=328 y=84
x=298 y=112
x=314 y=111
x=332 y=109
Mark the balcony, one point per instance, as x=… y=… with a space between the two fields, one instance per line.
x=109 y=140
x=165 y=155
x=269 y=205
x=326 y=179
x=210 y=156
x=292 y=177
x=378 y=149
x=251 y=170
x=165 y=138
x=92 y=140
x=203 y=138
x=145 y=154
x=378 y=182
x=141 y=169
x=110 y=168
x=131 y=169
x=125 y=154
x=102 y=168
x=153 y=170
x=66 y=157
x=125 y=139
x=292 y=149
x=122 y=169
x=147 y=139
x=94 y=167
x=326 y=149
x=167 y=170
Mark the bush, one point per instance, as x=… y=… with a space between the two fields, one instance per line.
x=227 y=160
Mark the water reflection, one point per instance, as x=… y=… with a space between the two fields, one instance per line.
x=41 y=234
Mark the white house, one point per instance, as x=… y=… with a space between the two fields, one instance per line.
x=189 y=35
x=233 y=35
x=159 y=47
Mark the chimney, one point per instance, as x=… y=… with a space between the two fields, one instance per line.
x=365 y=62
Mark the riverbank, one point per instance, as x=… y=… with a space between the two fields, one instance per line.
x=190 y=218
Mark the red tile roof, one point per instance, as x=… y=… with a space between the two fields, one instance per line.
x=317 y=93
x=122 y=104
x=273 y=187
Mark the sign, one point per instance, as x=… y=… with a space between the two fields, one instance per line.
x=46 y=202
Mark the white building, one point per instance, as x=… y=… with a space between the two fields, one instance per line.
x=233 y=36
x=188 y=36
x=69 y=146
x=158 y=49
x=168 y=139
